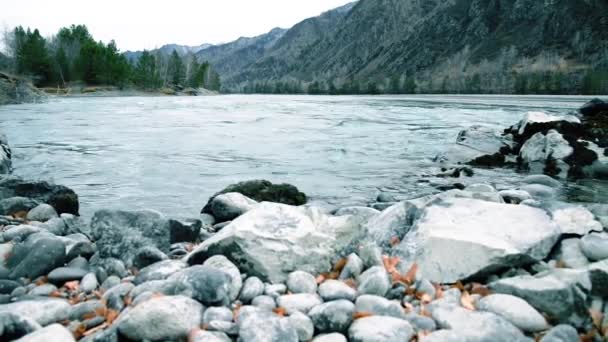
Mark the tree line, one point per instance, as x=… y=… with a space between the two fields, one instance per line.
x=72 y=55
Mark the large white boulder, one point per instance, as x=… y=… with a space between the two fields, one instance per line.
x=272 y=240
x=458 y=238
x=472 y=143
x=541 y=148
x=541 y=117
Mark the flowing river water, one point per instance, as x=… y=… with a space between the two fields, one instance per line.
x=172 y=153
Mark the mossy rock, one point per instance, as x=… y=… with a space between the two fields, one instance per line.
x=263 y=191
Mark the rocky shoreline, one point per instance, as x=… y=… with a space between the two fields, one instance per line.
x=262 y=263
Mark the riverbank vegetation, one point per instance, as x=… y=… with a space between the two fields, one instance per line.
x=74 y=57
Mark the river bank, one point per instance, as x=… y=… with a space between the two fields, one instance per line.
x=475 y=262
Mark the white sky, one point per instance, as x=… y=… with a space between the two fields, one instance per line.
x=139 y=24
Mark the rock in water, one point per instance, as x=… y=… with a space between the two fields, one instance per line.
x=594 y=107
x=380 y=329
x=541 y=148
x=185 y=231
x=263 y=191
x=51 y=333
x=460 y=238
x=572 y=287
x=163 y=318
x=13 y=205
x=61 y=198
x=473 y=143
x=6 y=164
x=272 y=240
x=119 y=234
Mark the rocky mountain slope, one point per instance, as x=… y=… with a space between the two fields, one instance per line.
x=457 y=45
x=167 y=49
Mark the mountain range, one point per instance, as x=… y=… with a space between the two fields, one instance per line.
x=494 y=46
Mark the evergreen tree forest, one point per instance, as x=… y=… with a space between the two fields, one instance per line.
x=74 y=56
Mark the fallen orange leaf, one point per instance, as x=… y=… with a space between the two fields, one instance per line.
x=395 y=241
x=235 y=311
x=339 y=266
x=55 y=294
x=424 y=311
x=281 y=311
x=438 y=291
x=589 y=336
x=597 y=318
x=467 y=301
x=111 y=316
x=351 y=283
x=459 y=286
x=320 y=278
x=409 y=307
x=96 y=329
x=425 y=298
x=128 y=300
x=410 y=276
x=480 y=289
x=358 y=315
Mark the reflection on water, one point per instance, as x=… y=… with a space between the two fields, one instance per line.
x=172 y=153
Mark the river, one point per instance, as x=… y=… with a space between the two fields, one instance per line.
x=172 y=153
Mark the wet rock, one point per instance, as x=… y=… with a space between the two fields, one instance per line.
x=44 y=311
x=227 y=207
x=265 y=327
x=184 y=231
x=473 y=143
x=333 y=290
x=20 y=232
x=7 y=286
x=301 y=282
x=598 y=274
x=222 y=263
x=374 y=281
x=379 y=306
x=303 y=325
x=572 y=287
x=13 y=326
x=51 y=333
x=263 y=191
x=515 y=310
x=380 y=329
x=301 y=302
x=539 y=191
x=272 y=240
x=515 y=196
x=461 y=238
x=206 y=284
x=61 y=275
x=42 y=213
x=147 y=256
x=162 y=318
x=12 y=205
x=44 y=255
x=541 y=148
x=252 y=288
x=61 y=198
x=595 y=246
x=595 y=107
x=6 y=165
x=159 y=271
x=334 y=316
x=541 y=180
x=576 y=220
x=81 y=249
x=119 y=234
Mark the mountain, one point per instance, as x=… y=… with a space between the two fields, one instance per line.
x=167 y=49
x=432 y=46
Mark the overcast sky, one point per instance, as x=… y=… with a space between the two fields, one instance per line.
x=139 y=24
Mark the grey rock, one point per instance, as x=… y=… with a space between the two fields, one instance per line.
x=18 y=292
x=380 y=329
x=570 y=253
x=514 y=310
x=333 y=290
x=371 y=255
x=598 y=275
x=147 y=256
x=12 y=205
x=89 y=283
x=303 y=325
x=79 y=311
x=217 y=314
x=222 y=263
x=227 y=207
x=43 y=290
x=576 y=220
x=209 y=336
x=353 y=267
x=514 y=196
x=275 y=290
x=163 y=318
x=421 y=323
x=184 y=231
x=61 y=275
x=112 y=266
x=228 y=328
x=264 y=302
x=395 y=221
x=334 y=316
x=362 y=213
x=159 y=271
x=252 y=288
x=459 y=238
x=572 y=287
x=539 y=191
x=44 y=311
x=301 y=282
x=82 y=249
x=13 y=326
x=7 y=286
x=301 y=302
x=379 y=306
x=51 y=333
x=20 y=232
x=333 y=337
x=115 y=296
x=561 y=333
x=110 y=282
x=207 y=285
x=42 y=213
x=476 y=325
x=272 y=240
x=595 y=246
x=541 y=179
x=264 y=327
x=44 y=255
x=79 y=263
x=374 y=281
x=119 y=234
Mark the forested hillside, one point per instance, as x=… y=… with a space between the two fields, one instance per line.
x=72 y=56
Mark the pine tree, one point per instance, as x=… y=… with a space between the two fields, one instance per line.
x=177 y=70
